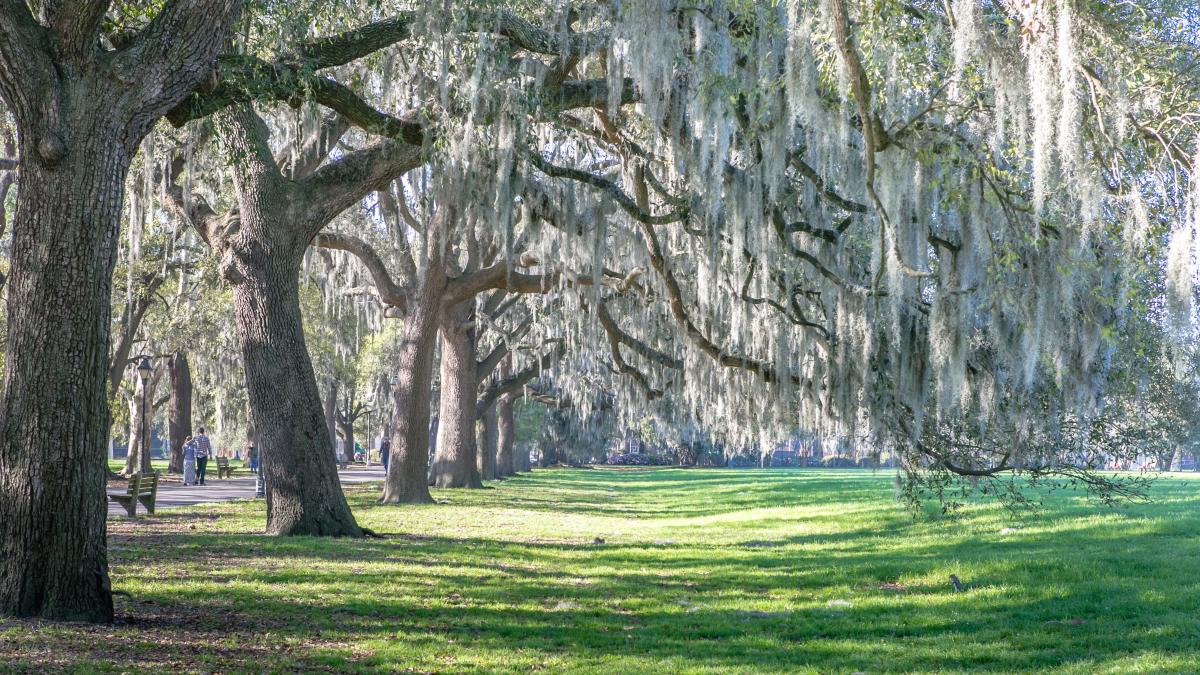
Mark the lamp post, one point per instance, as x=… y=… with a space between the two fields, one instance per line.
x=144 y=369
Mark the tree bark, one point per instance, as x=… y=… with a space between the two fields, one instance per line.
x=261 y=253
x=304 y=495
x=80 y=122
x=408 y=466
x=54 y=418
x=454 y=464
x=487 y=444
x=141 y=415
x=179 y=418
x=505 y=433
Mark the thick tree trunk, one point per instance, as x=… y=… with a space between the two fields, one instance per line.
x=454 y=463
x=54 y=417
x=80 y=120
x=505 y=435
x=304 y=495
x=179 y=418
x=261 y=253
x=408 y=466
x=486 y=443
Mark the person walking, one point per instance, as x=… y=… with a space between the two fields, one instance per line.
x=385 y=450
x=203 y=450
x=189 y=461
x=252 y=457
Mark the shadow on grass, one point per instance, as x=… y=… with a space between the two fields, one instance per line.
x=1077 y=589
x=701 y=602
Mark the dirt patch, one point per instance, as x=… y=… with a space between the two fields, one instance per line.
x=160 y=638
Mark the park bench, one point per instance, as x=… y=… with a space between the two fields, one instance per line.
x=142 y=488
x=223 y=468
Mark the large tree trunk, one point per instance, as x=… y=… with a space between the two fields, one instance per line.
x=454 y=463
x=487 y=444
x=179 y=418
x=304 y=495
x=408 y=466
x=505 y=435
x=261 y=253
x=54 y=417
x=80 y=121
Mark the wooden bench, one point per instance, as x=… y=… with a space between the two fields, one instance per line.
x=142 y=488
x=223 y=468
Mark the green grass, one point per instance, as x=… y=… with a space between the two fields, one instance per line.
x=745 y=571
x=118 y=465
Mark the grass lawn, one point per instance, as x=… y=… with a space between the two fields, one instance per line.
x=656 y=570
x=118 y=465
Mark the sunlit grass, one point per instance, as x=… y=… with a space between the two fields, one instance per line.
x=118 y=465
x=661 y=570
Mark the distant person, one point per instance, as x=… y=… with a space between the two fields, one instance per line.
x=252 y=457
x=203 y=450
x=189 y=461
x=385 y=449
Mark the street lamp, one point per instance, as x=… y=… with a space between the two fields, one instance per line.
x=144 y=369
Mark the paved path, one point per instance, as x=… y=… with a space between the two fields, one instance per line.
x=215 y=490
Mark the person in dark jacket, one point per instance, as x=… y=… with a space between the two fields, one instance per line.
x=252 y=457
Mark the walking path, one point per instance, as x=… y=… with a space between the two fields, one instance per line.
x=219 y=490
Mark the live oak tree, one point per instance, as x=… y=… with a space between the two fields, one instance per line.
x=827 y=205
x=155 y=312
x=261 y=242
x=261 y=245
x=291 y=75
x=82 y=105
x=441 y=299
x=439 y=294
x=835 y=203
